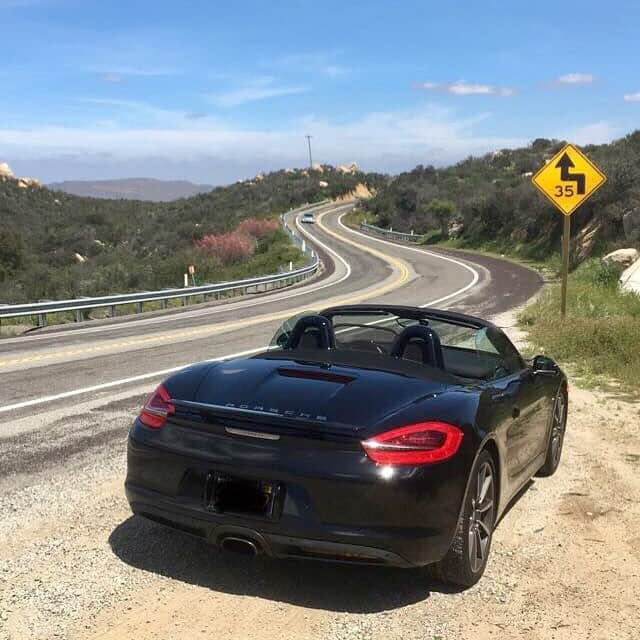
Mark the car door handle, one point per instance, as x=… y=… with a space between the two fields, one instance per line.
x=516 y=412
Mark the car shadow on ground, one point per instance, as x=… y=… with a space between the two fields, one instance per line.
x=319 y=585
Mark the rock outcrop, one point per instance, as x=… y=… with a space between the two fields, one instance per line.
x=351 y=168
x=23 y=183
x=455 y=229
x=630 y=278
x=631 y=224
x=623 y=257
x=5 y=171
x=360 y=192
x=586 y=239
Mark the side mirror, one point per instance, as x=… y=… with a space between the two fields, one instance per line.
x=545 y=366
x=282 y=340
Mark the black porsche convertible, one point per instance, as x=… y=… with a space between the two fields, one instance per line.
x=372 y=434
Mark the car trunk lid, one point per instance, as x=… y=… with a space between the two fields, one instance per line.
x=314 y=396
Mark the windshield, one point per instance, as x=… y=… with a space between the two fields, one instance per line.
x=466 y=351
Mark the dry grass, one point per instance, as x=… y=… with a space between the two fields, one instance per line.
x=600 y=335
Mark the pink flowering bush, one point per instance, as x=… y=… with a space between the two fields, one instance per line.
x=257 y=228
x=235 y=246
x=227 y=247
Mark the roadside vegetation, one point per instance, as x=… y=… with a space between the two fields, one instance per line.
x=54 y=245
x=601 y=333
x=489 y=202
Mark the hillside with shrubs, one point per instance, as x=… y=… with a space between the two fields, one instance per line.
x=54 y=245
x=489 y=202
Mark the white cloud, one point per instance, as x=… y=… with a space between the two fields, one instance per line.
x=111 y=77
x=121 y=71
x=574 y=78
x=320 y=62
x=594 y=133
x=462 y=88
x=632 y=97
x=384 y=141
x=255 y=90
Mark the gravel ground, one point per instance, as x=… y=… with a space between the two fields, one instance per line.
x=565 y=560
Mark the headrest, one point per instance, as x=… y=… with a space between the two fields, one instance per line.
x=428 y=340
x=315 y=327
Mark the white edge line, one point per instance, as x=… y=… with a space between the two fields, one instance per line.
x=115 y=383
x=474 y=279
x=206 y=312
x=163 y=372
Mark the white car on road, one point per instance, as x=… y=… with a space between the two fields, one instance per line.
x=308 y=218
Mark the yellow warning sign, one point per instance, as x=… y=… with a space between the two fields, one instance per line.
x=568 y=179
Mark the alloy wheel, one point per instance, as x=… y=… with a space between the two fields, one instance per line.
x=481 y=518
x=558 y=428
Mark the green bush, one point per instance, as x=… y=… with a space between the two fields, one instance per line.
x=495 y=200
x=131 y=245
x=601 y=332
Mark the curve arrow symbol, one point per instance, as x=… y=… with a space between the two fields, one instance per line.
x=565 y=164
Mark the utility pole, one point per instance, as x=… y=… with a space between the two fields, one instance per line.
x=309 y=144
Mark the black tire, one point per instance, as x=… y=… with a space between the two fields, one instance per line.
x=467 y=557
x=556 y=435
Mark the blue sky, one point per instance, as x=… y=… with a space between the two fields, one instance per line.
x=216 y=91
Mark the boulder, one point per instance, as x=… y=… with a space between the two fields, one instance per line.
x=318 y=167
x=24 y=183
x=630 y=278
x=623 y=257
x=631 y=224
x=455 y=229
x=5 y=171
x=351 y=168
x=323 y=183
x=586 y=239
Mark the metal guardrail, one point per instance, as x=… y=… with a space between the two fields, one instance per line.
x=216 y=291
x=391 y=234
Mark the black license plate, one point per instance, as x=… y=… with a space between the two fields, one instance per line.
x=242 y=496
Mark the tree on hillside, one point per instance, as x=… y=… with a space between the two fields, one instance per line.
x=442 y=212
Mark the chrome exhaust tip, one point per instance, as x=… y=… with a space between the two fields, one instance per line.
x=242 y=546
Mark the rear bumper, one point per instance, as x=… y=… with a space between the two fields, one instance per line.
x=164 y=486
x=271 y=544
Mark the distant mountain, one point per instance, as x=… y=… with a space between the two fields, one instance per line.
x=133 y=189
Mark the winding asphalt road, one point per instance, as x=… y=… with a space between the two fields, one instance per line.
x=55 y=379
x=75 y=564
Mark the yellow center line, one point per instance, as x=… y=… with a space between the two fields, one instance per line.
x=236 y=324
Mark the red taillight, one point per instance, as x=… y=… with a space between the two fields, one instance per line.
x=421 y=443
x=157 y=409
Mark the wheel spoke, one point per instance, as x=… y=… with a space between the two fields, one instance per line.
x=481 y=481
x=481 y=518
x=485 y=488
x=483 y=508
x=480 y=546
x=485 y=528
x=472 y=545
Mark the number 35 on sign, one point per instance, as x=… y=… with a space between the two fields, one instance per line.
x=568 y=179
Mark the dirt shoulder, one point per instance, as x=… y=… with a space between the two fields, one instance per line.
x=565 y=560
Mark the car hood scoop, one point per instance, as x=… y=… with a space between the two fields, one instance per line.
x=312 y=392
